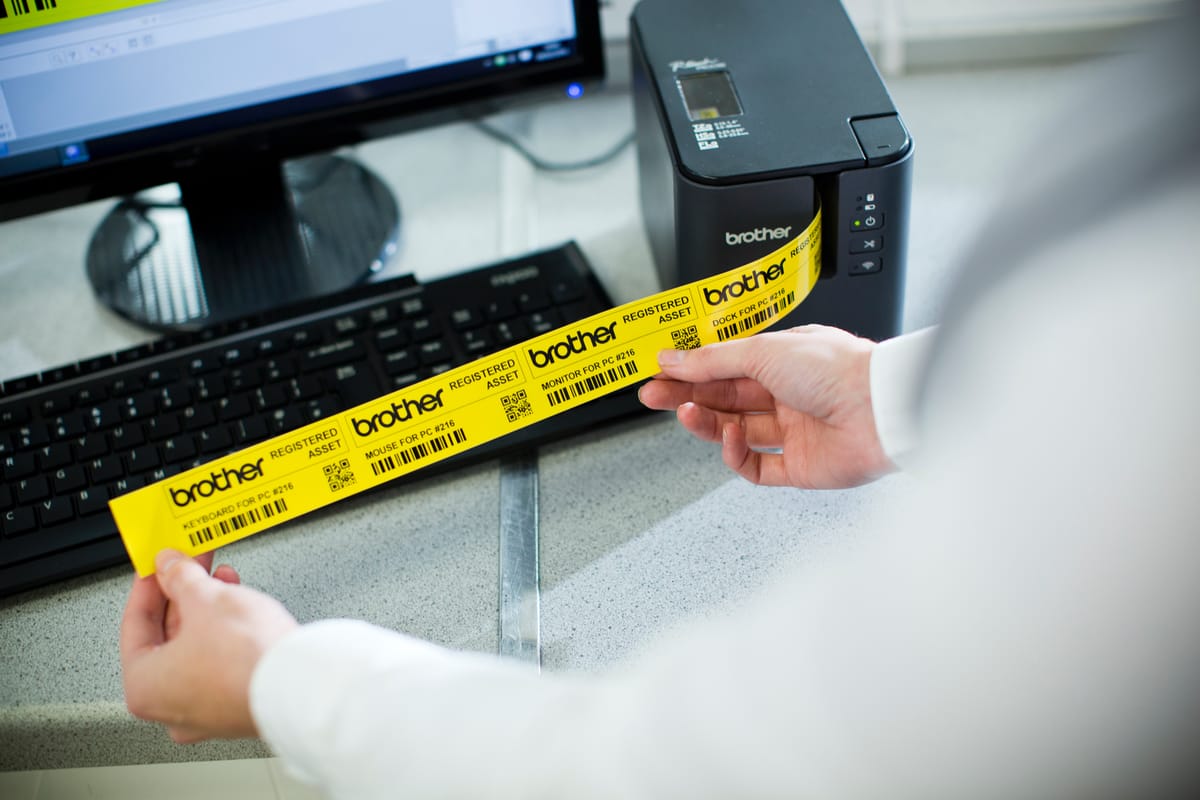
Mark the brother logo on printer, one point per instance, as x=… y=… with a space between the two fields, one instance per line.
x=575 y=343
x=230 y=478
x=401 y=411
x=747 y=283
x=756 y=235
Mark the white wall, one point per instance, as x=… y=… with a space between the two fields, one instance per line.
x=938 y=32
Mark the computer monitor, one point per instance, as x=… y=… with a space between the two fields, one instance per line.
x=226 y=112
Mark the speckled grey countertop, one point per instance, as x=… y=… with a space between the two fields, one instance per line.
x=642 y=527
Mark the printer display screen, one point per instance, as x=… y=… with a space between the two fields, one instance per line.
x=709 y=95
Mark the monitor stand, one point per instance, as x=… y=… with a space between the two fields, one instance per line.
x=224 y=244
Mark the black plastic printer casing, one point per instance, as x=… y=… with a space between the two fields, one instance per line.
x=816 y=123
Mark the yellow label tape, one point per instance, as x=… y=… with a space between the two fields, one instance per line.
x=297 y=472
x=19 y=15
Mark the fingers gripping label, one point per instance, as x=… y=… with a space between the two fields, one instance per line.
x=298 y=472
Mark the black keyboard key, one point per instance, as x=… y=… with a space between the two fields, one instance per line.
x=250 y=429
x=511 y=332
x=22 y=384
x=475 y=343
x=346 y=324
x=69 y=479
x=6 y=498
x=321 y=408
x=18 y=465
x=343 y=351
x=55 y=510
x=354 y=385
x=13 y=415
x=215 y=440
x=32 y=489
x=201 y=364
x=422 y=329
x=105 y=469
x=532 y=300
x=162 y=426
x=390 y=338
x=399 y=362
x=129 y=436
x=53 y=456
x=380 y=315
x=65 y=426
x=90 y=446
x=178 y=448
x=91 y=501
x=243 y=379
x=285 y=419
x=303 y=388
x=231 y=408
x=162 y=376
x=195 y=417
x=174 y=396
x=433 y=352
x=103 y=415
x=30 y=436
x=542 y=322
x=141 y=459
x=463 y=318
x=563 y=292
x=412 y=306
x=403 y=379
x=270 y=396
x=500 y=309
x=233 y=356
x=122 y=387
x=56 y=404
x=210 y=388
x=278 y=369
x=17 y=521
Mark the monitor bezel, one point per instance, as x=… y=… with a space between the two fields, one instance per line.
x=162 y=154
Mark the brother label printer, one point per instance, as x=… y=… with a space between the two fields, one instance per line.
x=748 y=114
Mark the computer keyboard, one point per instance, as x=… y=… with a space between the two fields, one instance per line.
x=73 y=437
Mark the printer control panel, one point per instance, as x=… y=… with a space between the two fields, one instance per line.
x=865 y=240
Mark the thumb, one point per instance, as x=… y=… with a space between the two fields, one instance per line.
x=180 y=576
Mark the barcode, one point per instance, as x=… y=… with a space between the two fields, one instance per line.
x=591 y=383
x=754 y=320
x=20 y=7
x=437 y=444
x=237 y=522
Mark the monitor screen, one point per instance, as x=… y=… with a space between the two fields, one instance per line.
x=107 y=97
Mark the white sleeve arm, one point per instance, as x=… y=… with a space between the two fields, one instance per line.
x=897 y=366
x=1020 y=623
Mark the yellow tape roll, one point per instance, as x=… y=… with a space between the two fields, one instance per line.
x=308 y=468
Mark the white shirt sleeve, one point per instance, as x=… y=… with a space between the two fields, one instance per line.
x=897 y=366
x=1021 y=623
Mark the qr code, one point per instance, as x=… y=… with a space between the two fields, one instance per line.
x=339 y=475
x=685 y=338
x=516 y=405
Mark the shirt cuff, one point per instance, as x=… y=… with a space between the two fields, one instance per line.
x=897 y=366
x=298 y=686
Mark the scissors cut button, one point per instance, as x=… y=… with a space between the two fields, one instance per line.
x=866 y=243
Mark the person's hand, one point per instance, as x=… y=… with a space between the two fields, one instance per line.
x=805 y=392
x=189 y=645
